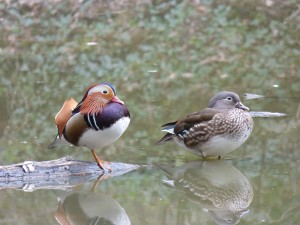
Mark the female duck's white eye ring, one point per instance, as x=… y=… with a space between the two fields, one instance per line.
x=229 y=98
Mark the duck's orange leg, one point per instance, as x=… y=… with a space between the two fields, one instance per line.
x=101 y=163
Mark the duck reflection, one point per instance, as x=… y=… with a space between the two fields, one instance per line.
x=222 y=190
x=89 y=208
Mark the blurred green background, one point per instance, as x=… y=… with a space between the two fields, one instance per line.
x=166 y=59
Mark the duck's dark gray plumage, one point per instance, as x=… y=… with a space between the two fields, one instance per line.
x=213 y=131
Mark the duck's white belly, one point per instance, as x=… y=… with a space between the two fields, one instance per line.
x=93 y=139
x=219 y=145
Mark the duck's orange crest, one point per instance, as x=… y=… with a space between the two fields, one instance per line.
x=64 y=115
x=93 y=104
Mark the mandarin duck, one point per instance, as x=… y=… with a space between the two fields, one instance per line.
x=214 y=131
x=97 y=121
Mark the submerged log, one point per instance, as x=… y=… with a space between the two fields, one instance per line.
x=62 y=173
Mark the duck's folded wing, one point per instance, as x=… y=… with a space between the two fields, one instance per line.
x=182 y=126
x=193 y=128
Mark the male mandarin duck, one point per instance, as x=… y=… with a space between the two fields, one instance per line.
x=214 y=131
x=95 y=122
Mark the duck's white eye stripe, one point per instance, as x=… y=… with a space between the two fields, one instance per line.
x=97 y=89
x=100 y=88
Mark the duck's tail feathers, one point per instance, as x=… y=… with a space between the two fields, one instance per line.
x=167 y=137
x=56 y=142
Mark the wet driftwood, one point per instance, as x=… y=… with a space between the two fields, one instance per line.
x=61 y=173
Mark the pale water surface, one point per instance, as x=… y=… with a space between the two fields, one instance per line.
x=166 y=59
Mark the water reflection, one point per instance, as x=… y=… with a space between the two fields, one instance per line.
x=78 y=208
x=220 y=189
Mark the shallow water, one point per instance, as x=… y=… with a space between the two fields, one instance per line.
x=166 y=60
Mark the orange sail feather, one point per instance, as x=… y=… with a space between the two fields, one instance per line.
x=64 y=115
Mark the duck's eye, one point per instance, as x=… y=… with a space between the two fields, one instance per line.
x=229 y=98
x=105 y=92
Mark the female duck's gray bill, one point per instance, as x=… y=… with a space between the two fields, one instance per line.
x=241 y=106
